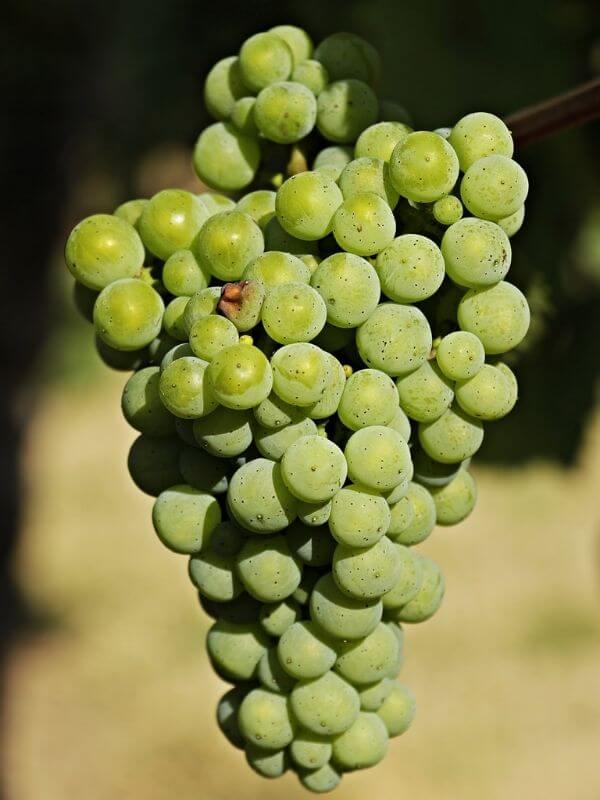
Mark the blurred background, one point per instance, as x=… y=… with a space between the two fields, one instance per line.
x=106 y=689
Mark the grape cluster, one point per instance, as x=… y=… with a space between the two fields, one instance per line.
x=313 y=362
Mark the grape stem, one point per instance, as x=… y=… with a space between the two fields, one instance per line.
x=568 y=110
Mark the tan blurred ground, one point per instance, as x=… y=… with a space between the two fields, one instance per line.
x=113 y=699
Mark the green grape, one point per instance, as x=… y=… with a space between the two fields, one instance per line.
x=153 y=463
x=102 y=249
x=408 y=584
x=128 y=314
x=425 y=393
x=378 y=458
x=185 y=390
x=130 y=211
x=310 y=751
x=346 y=55
x=242 y=116
x=398 y=709
x=311 y=544
x=200 y=305
x=423 y=167
x=423 y=517
x=210 y=335
x=226 y=159
x=276 y=238
x=293 y=312
x=271 y=674
x=451 y=438
x=344 y=109
x=184 y=518
x=181 y=350
x=182 y=275
x=326 y=705
x=395 y=339
x=265 y=58
x=274 y=413
x=512 y=224
x=273 y=444
x=240 y=376
x=300 y=373
x=512 y=384
x=369 y=659
x=313 y=469
x=314 y=514
x=297 y=40
x=486 y=396
x=378 y=141
x=370 y=398
x=267 y=763
x=364 y=224
x=142 y=406
x=285 y=112
x=396 y=494
x=359 y=517
x=410 y=269
x=303 y=592
x=400 y=423
x=170 y=222
x=223 y=86
x=325 y=779
x=84 y=300
x=429 y=597
x=447 y=210
x=498 y=315
x=401 y=513
x=305 y=652
x=336 y=156
x=372 y=695
x=368 y=175
x=460 y=355
x=330 y=399
x=202 y=471
x=390 y=110
x=430 y=472
x=173 y=319
x=214 y=202
x=366 y=573
x=264 y=719
x=227 y=243
x=312 y=74
x=275 y=268
x=235 y=649
x=258 y=498
x=349 y=286
x=494 y=187
x=333 y=339
x=214 y=575
x=340 y=615
x=455 y=501
x=305 y=205
x=259 y=205
x=477 y=253
x=478 y=135
x=276 y=618
x=363 y=745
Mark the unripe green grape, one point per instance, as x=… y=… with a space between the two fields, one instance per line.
x=423 y=167
x=498 y=315
x=276 y=618
x=372 y=695
x=305 y=652
x=378 y=141
x=305 y=205
x=335 y=156
x=142 y=406
x=423 y=518
x=429 y=597
x=346 y=55
x=130 y=211
x=425 y=393
x=513 y=386
x=368 y=175
x=181 y=350
x=398 y=710
x=378 y=457
x=312 y=74
x=242 y=116
x=370 y=398
x=363 y=745
x=276 y=238
x=455 y=501
x=478 y=135
x=344 y=109
x=227 y=243
x=128 y=314
x=399 y=491
x=225 y=433
x=300 y=373
x=401 y=515
x=259 y=205
x=460 y=355
x=153 y=463
x=349 y=286
x=226 y=159
x=296 y=39
x=102 y=249
x=314 y=514
x=312 y=545
x=274 y=413
x=451 y=438
x=447 y=210
x=267 y=763
x=184 y=518
x=340 y=615
x=182 y=275
x=512 y=224
x=310 y=751
x=214 y=202
x=431 y=473
x=240 y=376
x=322 y=780
x=330 y=399
x=202 y=471
x=271 y=674
x=201 y=304
x=264 y=719
x=223 y=86
x=494 y=187
x=333 y=339
x=258 y=497
x=395 y=339
x=285 y=112
x=366 y=573
x=274 y=268
x=359 y=517
x=236 y=649
x=173 y=318
x=369 y=659
x=273 y=444
x=214 y=575
x=326 y=705
x=364 y=224
x=409 y=582
x=313 y=469
x=264 y=59
x=486 y=396
x=210 y=335
x=293 y=312
x=400 y=423
x=170 y=222
x=185 y=390
x=410 y=269
x=392 y=111
x=477 y=253
x=227 y=712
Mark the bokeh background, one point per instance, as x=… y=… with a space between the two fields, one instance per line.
x=106 y=690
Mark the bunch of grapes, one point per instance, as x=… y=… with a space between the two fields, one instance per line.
x=313 y=362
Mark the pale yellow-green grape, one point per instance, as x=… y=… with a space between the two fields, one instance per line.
x=153 y=463
x=203 y=471
x=173 y=318
x=276 y=618
x=285 y=112
x=429 y=597
x=104 y=248
x=478 y=135
x=223 y=86
x=322 y=780
x=447 y=210
x=305 y=205
x=410 y=269
x=349 y=286
x=366 y=573
x=274 y=268
x=460 y=355
x=379 y=140
x=487 y=396
x=309 y=750
x=259 y=499
x=390 y=110
x=265 y=58
x=455 y=501
x=399 y=491
x=330 y=399
x=185 y=390
x=184 y=518
x=236 y=649
x=378 y=458
x=451 y=438
x=425 y=393
x=370 y=398
x=513 y=394
x=208 y=336
x=200 y=305
x=344 y=109
x=311 y=544
x=214 y=202
x=359 y=517
x=363 y=745
x=264 y=719
x=498 y=315
x=398 y=709
x=408 y=584
x=227 y=243
x=346 y=55
x=334 y=157
x=401 y=423
x=267 y=763
x=259 y=205
x=364 y=224
x=494 y=187
x=423 y=518
x=240 y=376
x=326 y=705
x=429 y=472
x=182 y=275
x=334 y=339
x=226 y=159
x=293 y=312
x=128 y=314
x=276 y=238
x=273 y=443
x=225 y=433
x=313 y=469
x=340 y=615
x=227 y=711
x=314 y=514
x=423 y=167
x=142 y=406
x=477 y=253
x=401 y=514
x=395 y=339
x=274 y=413
x=268 y=569
x=297 y=40
x=368 y=175
x=180 y=350
x=213 y=571
x=300 y=373
x=243 y=116
x=512 y=224
x=369 y=659
x=372 y=695
x=312 y=74
x=130 y=211
x=170 y=221
x=305 y=652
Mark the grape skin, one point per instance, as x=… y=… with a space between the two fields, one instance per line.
x=184 y=518
x=342 y=616
x=476 y=253
x=368 y=175
x=423 y=167
x=259 y=499
x=326 y=705
x=363 y=745
x=305 y=205
x=379 y=140
x=395 y=339
x=128 y=314
x=452 y=438
x=369 y=398
x=344 y=109
x=494 y=187
x=477 y=135
x=142 y=406
x=410 y=269
x=364 y=224
x=455 y=501
x=460 y=355
x=223 y=86
x=268 y=569
x=425 y=393
x=313 y=469
x=359 y=517
x=285 y=112
x=265 y=720
x=170 y=222
x=227 y=243
x=350 y=288
x=293 y=312
x=264 y=59
x=366 y=573
x=224 y=158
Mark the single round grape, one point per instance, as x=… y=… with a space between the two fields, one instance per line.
x=258 y=498
x=275 y=268
x=423 y=167
x=425 y=393
x=173 y=318
x=370 y=398
x=312 y=74
x=274 y=413
x=128 y=314
x=344 y=109
x=398 y=710
x=202 y=471
x=223 y=86
x=372 y=695
x=214 y=202
x=478 y=135
x=236 y=649
x=340 y=615
x=273 y=444
x=227 y=243
x=225 y=158
x=130 y=211
x=349 y=286
x=494 y=187
x=429 y=472
x=498 y=315
x=512 y=224
x=447 y=210
x=369 y=659
x=311 y=544
x=366 y=573
x=326 y=705
x=346 y=55
x=214 y=574
x=102 y=249
x=330 y=399
x=185 y=390
x=363 y=745
x=142 y=406
x=240 y=376
x=322 y=780
x=183 y=275
x=429 y=597
x=364 y=224
x=400 y=423
x=170 y=222
x=153 y=463
x=333 y=339
x=477 y=253
x=368 y=175
x=285 y=112
x=297 y=40
x=310 y=751
x=455 y=501
x=276 y=618
x=410 y=269
x=201 y=304
x=242 y=116
x=314 y=514
x=259 y=205
x=451 y=438
x=408 y=584
x=271 y=674
x=460 y=355
x=210 y=335
x=267 y=763
x=335 y=156
x=379 y=140
x=300 y=373
x=225 y=433
x=305 y=652
x=276 y=238
x=487 y=395
x=423 y=516
x=313 y=469
x=265 y=58
x=293 y=312
x=181 y=350
x=227 y=712
x=378 y=457
x=395 y=339
x=359 y=517
x=184 y=518
x=264 y=719
x=305 y=205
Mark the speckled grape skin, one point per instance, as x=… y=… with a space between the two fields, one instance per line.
x=305 y=652
x=293 y=312
x=334 y=156
x=460 y=355
x=499 y=316
x=372 y=695
x=408 y=584
x=153 y=463
x=276 y=618
x=455 y=501
x=300 y=373
x=368 y=174
x=223 y=86
x=259 y=499
x=334 y=387
x=401 y=515
x=379 y=140
x=395 y=339
x=310 y=751
x=340 y=615
x=273 y=444
x=313 y=545
x=210 y=335
x=322 y=780
x=350 y=288
x=366 y=573
x=215 y=576
x=347 y=55
x=236 y=649
x=185 y=390
x=494 y=187
x=285 y=112
x=274 y=268
x=477 y=253
x=182 y=275
x=363 y=745
x=276 y=238
x=200 y=305
x=423 y=167
x=128 y=314
x=451 y=438
x=264 y=719
x=305 y=205
x=274 y=413
x=260 y=205
x=268 y=569
x=227 y=243
x=240 y=376
x=102 y=249
x=512 y=224
x=170 y=221
x=228 y=433
x=447 y=210
x=400 y=423
x=369 y=659
x=313 y=469
x=425 y=393
x=312 y=74
x=364 y=224
x=344 y=109
x=423 y=519
x=271 y=674
x=370 y=398
x=174 y=320
x=184 y=518
x=398 y=709
x=429 y=597
x=267 y=763
x=410 y=269
x=378 y=457
x=486 y=396
x=265 y=59
x=226 y=159
x=142 y=406
x=480 y=134
x=326 y=705
x=359 y=517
